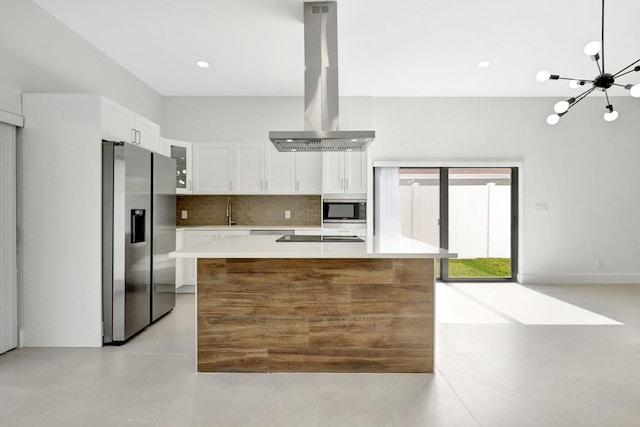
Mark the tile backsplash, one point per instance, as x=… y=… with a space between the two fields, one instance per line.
x=249 y=210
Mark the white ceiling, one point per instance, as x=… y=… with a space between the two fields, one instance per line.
x=386 y=48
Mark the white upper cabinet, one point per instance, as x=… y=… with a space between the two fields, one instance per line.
x=213 y=168
x=308 y=173
x=344 y=172
x=147 y=132
x=254 y=168
x=121 y=124
x=117 y=121
x=279 y=171
x=355 y=172
x=333 y=172
x=181 y=151
x=248 y=168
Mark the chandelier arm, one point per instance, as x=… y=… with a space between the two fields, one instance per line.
x=619 y=85
x=570 y=78
x=607 y=96
x=627 y=67
x=600 y=70
x=624 y=74
x=582 y=96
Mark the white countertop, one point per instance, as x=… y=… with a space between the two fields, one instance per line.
x=267 y=247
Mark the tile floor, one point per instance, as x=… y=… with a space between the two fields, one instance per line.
x=506 y=355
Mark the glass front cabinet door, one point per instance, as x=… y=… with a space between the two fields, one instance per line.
x=181 y=151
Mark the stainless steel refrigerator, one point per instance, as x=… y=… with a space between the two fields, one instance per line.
x=138 y=232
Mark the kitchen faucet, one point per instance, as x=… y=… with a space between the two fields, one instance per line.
x=231 y=222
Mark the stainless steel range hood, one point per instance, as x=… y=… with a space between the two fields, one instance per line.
x=321 y=89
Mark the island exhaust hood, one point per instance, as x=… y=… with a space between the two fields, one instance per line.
x=321 y=89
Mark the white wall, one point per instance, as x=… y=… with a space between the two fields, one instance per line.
x=40 y=55
x=61 y=221
x=584 y=168
x=249 y=118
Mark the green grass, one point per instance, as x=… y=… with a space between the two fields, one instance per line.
x=480 y=267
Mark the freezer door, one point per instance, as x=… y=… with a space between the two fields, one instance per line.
x=137 y=243
x=163 y=290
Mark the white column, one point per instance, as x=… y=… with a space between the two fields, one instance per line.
x=8 y=268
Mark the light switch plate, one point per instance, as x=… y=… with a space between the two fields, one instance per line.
x=541 y=207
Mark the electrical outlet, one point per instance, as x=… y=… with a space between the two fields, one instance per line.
x=287 y=214
x=184 y=215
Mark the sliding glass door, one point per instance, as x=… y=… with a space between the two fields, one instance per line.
x=479 y=223
x=470 y=211
x=420 y=205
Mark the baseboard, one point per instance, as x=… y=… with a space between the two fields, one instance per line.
x=578 y=279
x=186 y=289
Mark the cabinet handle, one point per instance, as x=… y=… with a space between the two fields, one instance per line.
x=230 y=185
x=347 y=186
x=297 y=185
x=261 y=185
x=133 y=136
x=266 y=185
x=342 y=183
x=189 y=184
x=139 y=137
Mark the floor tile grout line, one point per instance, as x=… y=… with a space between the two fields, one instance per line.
x=459 y=397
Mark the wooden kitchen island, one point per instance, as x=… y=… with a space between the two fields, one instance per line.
x=266 y=306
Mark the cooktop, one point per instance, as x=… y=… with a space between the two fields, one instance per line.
x=308 y=238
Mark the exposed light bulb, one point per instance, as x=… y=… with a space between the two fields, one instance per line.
x=561 y=107
x=574 y=84
x=543 y=76
x=592 y=48
x=635 y=90
x=553 y=119
x=611 y=114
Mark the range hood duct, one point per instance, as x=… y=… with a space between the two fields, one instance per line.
x=321 y=89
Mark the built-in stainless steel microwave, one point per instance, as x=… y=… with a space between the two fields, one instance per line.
x=344 y=210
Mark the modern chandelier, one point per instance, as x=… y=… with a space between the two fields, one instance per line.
x=603 y=81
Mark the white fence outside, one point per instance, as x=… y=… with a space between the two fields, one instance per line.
x=479 y=218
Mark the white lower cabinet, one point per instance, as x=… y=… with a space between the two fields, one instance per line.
x=309 y=231
x=186 y=267
x=345 y=231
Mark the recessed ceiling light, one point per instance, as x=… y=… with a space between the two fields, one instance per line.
x=484 y=64
x=202 y=64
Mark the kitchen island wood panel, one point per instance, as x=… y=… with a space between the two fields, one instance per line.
x=315 y=314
